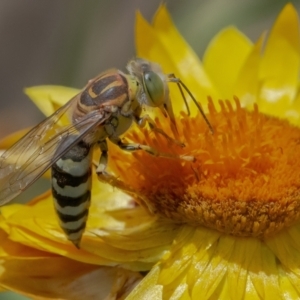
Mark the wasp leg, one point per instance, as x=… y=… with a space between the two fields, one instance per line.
x=106 y=177
x=148 y=149
x=101 y=167
x=100 y=170
x=146 y=119
x=113 y=180
x=103 y=158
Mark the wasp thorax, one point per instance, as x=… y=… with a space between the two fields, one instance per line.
x=245 y=180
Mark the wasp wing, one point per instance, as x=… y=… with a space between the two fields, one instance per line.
x=31 y=156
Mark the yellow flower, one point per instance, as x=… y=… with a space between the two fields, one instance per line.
x=223 y=227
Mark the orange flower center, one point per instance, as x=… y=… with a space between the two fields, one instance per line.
x=245 y=180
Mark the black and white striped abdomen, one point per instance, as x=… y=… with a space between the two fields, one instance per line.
x=71 y=189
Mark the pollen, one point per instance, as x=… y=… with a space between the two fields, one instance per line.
x=244 y=181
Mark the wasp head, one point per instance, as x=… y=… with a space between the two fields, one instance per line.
x=154 y=88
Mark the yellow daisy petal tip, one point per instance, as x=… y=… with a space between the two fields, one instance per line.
x=162 y=18
x=223 y=62
x=247 y=83
x=279 y=67
x=228 y=36
x=143 y=35
x=287 y=25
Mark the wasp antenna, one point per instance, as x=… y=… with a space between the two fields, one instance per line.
x=198 y=106
x=184 y=99
x=173 y=78
x=180 y=84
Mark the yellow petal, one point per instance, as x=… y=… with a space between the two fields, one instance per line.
x=9 y=140
x=286 y=247
x=42 y=274
x=163 y=44
x=218 y=266
x=149 y=289
x=280 y=64
x=149 y=46
x=117 y=232
x=224 y=59
x=62 y=278
x=189 y=66
x=247 y=84
x=49 y=98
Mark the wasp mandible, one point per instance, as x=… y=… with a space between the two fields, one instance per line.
x=104 y=109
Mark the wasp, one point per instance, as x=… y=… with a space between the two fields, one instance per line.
x=104 y=109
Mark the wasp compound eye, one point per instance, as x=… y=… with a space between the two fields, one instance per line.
x=154 y=87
